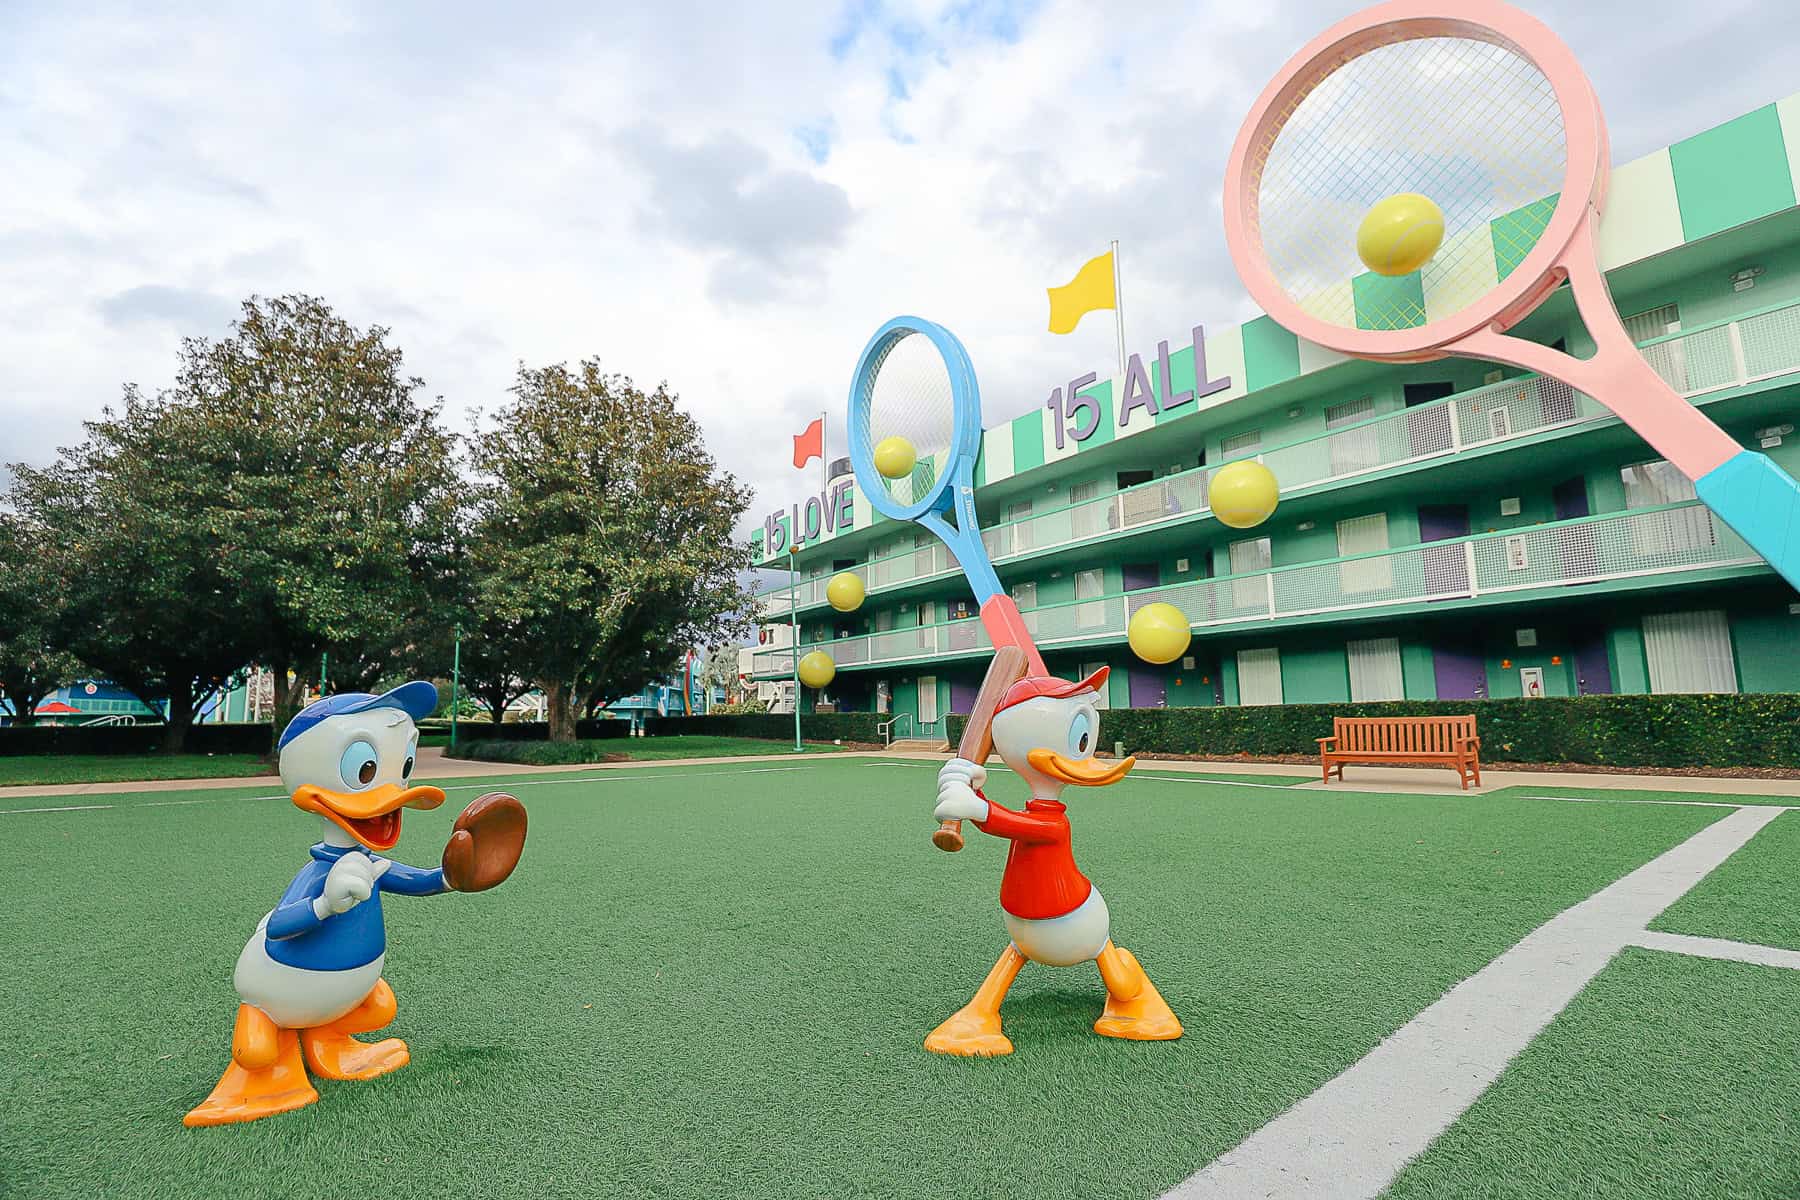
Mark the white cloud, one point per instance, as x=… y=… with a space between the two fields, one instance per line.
x=730 y=198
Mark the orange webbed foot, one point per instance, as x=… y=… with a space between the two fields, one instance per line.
x=266 y=1075
x=970 y=1033
x=1145 y=1016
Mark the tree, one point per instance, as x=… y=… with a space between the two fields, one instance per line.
x=335 y=494
x=31 y=667
x=121 y=522
x=603 y=536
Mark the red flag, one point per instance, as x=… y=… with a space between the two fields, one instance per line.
x=811 y=444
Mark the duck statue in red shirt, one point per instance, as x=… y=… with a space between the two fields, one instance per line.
x=1046 y=730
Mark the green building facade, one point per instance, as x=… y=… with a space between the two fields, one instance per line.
x=1446 y=530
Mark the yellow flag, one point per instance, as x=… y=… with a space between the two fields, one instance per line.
x=1092 y=288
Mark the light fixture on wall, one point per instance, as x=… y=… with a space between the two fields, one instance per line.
x=1744 y=280
x=1306 y=526
x=1294 y=413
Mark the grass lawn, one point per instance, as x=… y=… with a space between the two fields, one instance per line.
x=32 y=769
x=1668 y=1078
x=715 y=980
x=1753 y=897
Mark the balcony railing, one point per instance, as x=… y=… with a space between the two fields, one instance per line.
x=1624 y=545
x=1734 y=353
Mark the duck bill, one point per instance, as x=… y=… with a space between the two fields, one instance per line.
x=371 y=817
x=1083 y=772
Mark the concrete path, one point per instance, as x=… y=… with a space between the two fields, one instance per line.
x=1349 y=1139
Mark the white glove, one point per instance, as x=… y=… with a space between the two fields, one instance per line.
x=350 y=882
x=957 y=781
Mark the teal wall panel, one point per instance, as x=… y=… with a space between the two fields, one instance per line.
x=1731 y=174
x=1271 y=353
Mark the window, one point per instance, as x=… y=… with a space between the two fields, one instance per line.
x=1101 y=700
x=928 y=700
x=1018 y=516
x=1241 y=444
x=1357 y=449
x=927 y=620
x=1025 y=594
x=1088 y=586
x=1364 y=535
x=1259 y=676
x=1247 y=557
x=1375 y=670
x=1085 y=521
x=1664 y=538
x=1689 y=652
x=1668 y=359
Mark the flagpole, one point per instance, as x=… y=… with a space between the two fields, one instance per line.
x=1118 y=305
x=824 y=452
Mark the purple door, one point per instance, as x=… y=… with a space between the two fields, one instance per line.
x=962 y=695
x=1593 y=674
x=1149 y=687
x=1446 y=568
x=1461 y=673
x=1140 y=575
x=1571 y=498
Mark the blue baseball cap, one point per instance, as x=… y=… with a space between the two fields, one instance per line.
x=416 y=699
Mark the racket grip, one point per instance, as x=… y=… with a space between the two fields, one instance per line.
x=948 y=836
x=1761 y=502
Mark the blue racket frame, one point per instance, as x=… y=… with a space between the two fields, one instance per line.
x=954 y=489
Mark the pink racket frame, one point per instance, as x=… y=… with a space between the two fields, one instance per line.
x=1616 y=375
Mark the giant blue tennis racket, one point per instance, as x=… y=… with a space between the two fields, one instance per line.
x=915 y=382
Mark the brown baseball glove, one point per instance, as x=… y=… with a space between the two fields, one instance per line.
x=485 y=844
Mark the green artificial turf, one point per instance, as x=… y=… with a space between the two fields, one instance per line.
x=1668 y=1078
x=1754 y=896
x=710 y=981
x=31 y=769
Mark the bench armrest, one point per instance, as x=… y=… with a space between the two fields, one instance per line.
x=1324 y=742
x=1469 y=741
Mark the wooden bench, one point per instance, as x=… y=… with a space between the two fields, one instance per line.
x=1433 y=741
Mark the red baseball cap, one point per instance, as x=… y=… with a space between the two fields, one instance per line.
x=1033 y=686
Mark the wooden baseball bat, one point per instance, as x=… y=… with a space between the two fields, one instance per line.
x=977 y=741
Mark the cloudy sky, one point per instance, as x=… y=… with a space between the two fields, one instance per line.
x=726 y=196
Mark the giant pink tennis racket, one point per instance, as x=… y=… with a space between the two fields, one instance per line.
x=1481 y=108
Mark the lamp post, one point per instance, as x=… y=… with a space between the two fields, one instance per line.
x=794 y=624
x=324 y=661
x=455 y=686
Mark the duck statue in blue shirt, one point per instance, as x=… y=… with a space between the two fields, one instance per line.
x=310 y=976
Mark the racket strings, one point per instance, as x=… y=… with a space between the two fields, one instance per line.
x=1471 y=124
x=909 y=396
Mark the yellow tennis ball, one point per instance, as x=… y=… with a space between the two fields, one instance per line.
x=845 y=591
x=1400 y=234
x=817 y=669
x=1243 y=494
x=1159 y=633
x=895 y=457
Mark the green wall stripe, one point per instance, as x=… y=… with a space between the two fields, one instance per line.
x=1518 y=231
x=1028 y=442
x=1271 y=353
x=1733 y=173
x=1388 y=301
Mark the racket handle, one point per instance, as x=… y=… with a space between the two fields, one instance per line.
x=1761 y=503
x=948 y=836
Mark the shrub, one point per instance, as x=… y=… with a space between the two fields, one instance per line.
x=814 y=727
x=132 y=739
x=1761 y=730
x=540 y=753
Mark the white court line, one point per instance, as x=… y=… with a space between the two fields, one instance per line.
x=1688 y=803
x=1705 y=947
x=464 y=787
x=1350 y=1138
x=6 y=812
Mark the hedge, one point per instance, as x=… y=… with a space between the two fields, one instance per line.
x=814 y=727
x=1620 y=731
x=537 y=753
x=526 y=731
x=132 y=739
